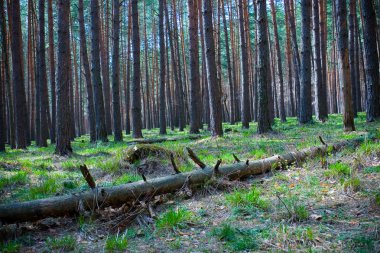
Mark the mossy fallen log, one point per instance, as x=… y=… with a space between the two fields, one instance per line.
x=118 y=195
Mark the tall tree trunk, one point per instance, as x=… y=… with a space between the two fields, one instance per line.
x=87 y=73
x=52 y=71
x=353 y=64
x=7 y=77
x=290 y=67
x=63 y=145
x=116 y=72
x=101 y=131
x=323 y=40
x=279 y=63
x=305 y=91
x=263 y=64
x=147 y=88
x=128 y=88
x=3 y=129
x=245 y=107
x=342 y=35
x=136 y=82
x=195 y=87
x=321 y=96
x=162 y=111
x=42 y=79
x=212 y=78
x=371 y=60
x=19 y=98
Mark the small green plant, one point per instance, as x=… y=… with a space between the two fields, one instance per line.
x=10 y=247
x=373 y=169
x=236 y=239
x=62 y=244
x=377 y=198
x=174 y=218
x=337 y=170
x=111 y=166
x=224 y=233
x=370 y=147
x=127 y=178
x=251 y=198
x=20 y=177
x=301 y=212
x=116 y=243
x=352 y=183
x=48 y=186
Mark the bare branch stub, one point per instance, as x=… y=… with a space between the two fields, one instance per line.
x=321 y=140
x=87 y=176
x=195 y=158
x=247 y=162
x=216 y=168
x=174 y=164
x=236 y=158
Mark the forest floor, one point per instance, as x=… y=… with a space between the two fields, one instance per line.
x=307 y=207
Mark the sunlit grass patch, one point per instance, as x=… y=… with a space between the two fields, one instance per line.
x=116 y=243
x=247 y=199
x=174 y=218
x=337 y=170
x=13 y=178
x=61 y=244
x=236 y=239
x=127 y=178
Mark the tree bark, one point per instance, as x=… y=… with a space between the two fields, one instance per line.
x=212 y=79
x=101 y=131
x=63 y=145
x=87 y=73
x=52 y=72
x=305 y=80
x=19 y=98
x=371 y=60
x=162 y=68
x=342 y=35
x=116 y=72
x=136 y=90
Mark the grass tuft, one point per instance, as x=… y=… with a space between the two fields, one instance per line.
x=174 y=218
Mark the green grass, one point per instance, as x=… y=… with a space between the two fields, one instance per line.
x=16 y=178
x=174 y=218
x=235 y=239
x=337 y=170
x=247 y=199
x=61 y=244
x=116 y=243
x=373 y=169
x=10 y=247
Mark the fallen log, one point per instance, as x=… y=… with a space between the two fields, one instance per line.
x=163 y=139
x=118 y=195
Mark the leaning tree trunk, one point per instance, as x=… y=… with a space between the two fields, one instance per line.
x=19 y=98
x=342 y=35
x=305 y=80
x=263 y=120
x=371 y=60
x=212 y=78
x=101 y=131
x=63 y=145
x=136 y=89
x=116 y=72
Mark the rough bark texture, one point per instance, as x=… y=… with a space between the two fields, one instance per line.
x=354 y=83
x=212 y=78
x=128 y=89
x=136 y=89
x=116 y=72
x=69 y=204
x=263 y=119
x=63 y=145
x=305 y=80
x=52 y=72
x=87 y=73
x=320 y=92
x=19 y=98
x=323 y=39
x=3 y=129
x=195 y=87
x=245 y=107
x=162 y=110
x=101 y=131
x=342 y=35
x=371 y=60
x=279 y=62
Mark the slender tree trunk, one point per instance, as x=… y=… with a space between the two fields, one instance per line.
x=116 y=72
x=3 y=129
x=305 y=94
x=52 y=71
x=212 y=79
x=128 y=88
x=290 y=67
x=371 y=60
x=323 y=40
x=354 y=83
x=263 y=119
x=195 y=87
x=245 y=107
x=147 y=88
x=279 y=63
x=136 y=82
x=19 y=98
x=63 y=145
x=342 y=35
x=101 y=131
x=162 y=68
x=87 y=73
